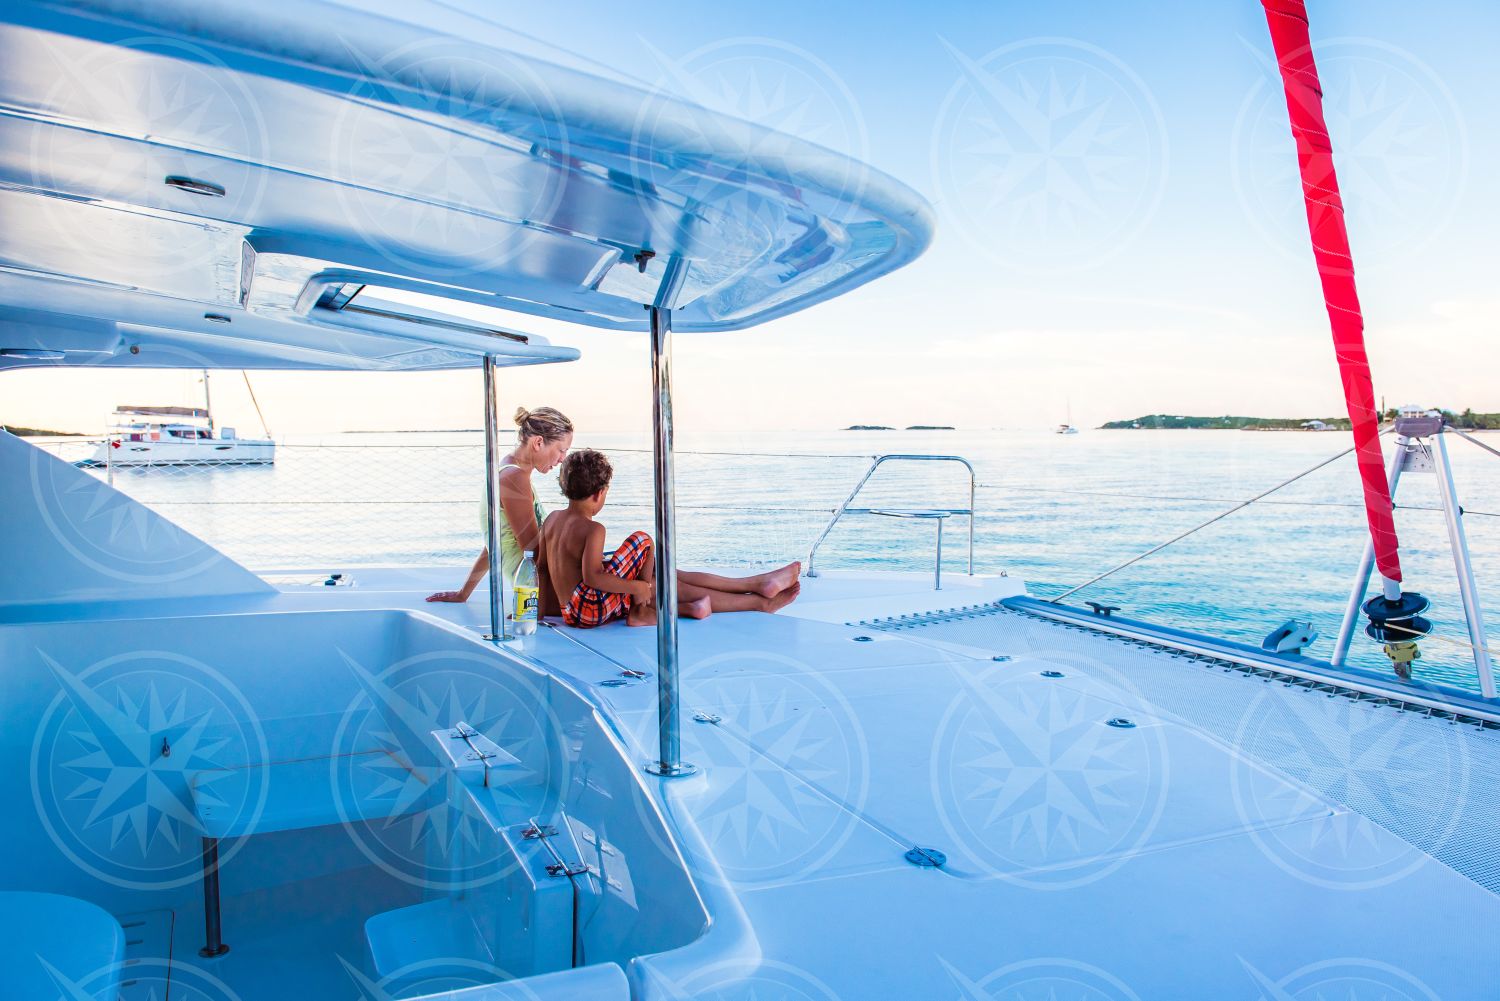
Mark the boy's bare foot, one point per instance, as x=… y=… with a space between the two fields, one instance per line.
x=641 y=615
x=785 y=598
x=698 y=608
x=777 y=581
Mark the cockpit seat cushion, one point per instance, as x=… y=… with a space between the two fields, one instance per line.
x=55 y=946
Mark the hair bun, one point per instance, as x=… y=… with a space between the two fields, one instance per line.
x=521 y=414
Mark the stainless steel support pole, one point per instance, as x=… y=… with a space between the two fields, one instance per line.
x=493 y=513
x=1459 y=543
x=669 y=759
x=213 y=944
x=1361 y=586
x=971 y=522
x=937 y=572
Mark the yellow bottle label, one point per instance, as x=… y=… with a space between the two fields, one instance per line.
x=526 y=601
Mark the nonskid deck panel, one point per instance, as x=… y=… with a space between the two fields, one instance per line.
x=1425 y=777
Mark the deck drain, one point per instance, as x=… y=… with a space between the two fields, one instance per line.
x=613 y=683
x=1122 y=723
x=926 y=858
x=1000 y=658
x=1052 y=674
x=864 y=639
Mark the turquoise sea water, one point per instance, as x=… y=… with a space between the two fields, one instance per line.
x=1054 y=510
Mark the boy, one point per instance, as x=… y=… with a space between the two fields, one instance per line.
x=593 y=588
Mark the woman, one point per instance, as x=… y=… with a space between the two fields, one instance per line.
x=544 y=437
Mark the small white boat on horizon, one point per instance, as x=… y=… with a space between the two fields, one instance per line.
x=1066 y=429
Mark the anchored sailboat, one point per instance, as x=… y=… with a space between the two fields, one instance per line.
x=179 y=436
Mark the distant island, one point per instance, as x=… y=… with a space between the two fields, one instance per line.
x=909 y=427
x=1467 y=419
x=21 y=432
x=1156 y=422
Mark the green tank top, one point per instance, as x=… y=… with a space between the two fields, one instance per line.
x=510 y=546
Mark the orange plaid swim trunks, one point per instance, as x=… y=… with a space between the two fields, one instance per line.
x=588 y=606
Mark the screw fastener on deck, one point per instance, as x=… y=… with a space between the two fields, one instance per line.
x=926 y=858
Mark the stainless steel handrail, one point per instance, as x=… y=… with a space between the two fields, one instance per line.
x=875 y=464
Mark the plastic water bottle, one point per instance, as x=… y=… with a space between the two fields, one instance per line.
x=526 y=592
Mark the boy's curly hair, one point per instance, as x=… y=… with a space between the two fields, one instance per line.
x=584 y=473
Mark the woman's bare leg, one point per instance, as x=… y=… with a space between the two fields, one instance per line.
x=767 y=585
x=739 y=601
x=722 y=601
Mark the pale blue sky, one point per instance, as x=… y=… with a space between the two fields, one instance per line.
x=1118 y=221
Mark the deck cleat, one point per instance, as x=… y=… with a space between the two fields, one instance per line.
x=1397 y=625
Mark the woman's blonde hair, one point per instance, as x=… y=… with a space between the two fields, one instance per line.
x=543 y=422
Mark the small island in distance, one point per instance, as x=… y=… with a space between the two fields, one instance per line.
x=1153 y=422
x=909 y=427
x=21 y=432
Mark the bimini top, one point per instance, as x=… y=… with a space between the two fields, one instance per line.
x=162 y=411
x=306 y=185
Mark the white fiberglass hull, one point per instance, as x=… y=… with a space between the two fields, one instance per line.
x=203 y=452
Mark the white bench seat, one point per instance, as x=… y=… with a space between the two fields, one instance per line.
x=299 y=794
x=56 y=946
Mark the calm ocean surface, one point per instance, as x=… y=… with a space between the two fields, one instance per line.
x=1054 y=510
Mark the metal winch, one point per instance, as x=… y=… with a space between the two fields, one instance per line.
x=1397 y=624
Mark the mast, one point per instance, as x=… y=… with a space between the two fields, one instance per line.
x=207 y=407
x=1394 y=614
x=265 y=429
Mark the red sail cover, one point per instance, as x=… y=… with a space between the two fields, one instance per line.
x=1330 y=241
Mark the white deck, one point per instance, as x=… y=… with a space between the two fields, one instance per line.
x=1081 y=857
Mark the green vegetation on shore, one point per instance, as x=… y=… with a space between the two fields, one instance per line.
x=1159 y=421
x=1467 y=420
x=21 y=432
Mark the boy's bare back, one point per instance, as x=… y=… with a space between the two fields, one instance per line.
x=565 y=536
